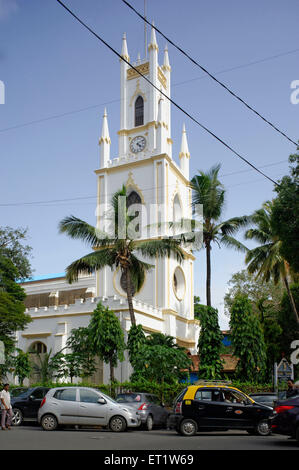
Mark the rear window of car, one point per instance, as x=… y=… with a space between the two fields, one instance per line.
x=207 y=395
x=128 y=398
x=66 y=394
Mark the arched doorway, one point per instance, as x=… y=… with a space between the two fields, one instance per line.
x=38 y=356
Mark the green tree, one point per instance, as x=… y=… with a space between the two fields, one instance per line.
x=260 y=293
x=285 y=214
x=247 y=341
x=47 y=365
x=209 y=345
x=266 y=260
x=22 y=366
x=287 y=322
x=11 y=246
x=210 y=193
x=106 y=337
x=160 y=364
x=198 y=307
x=81 y=355
x=12 y=309
x=136 y=339
x=117 y=249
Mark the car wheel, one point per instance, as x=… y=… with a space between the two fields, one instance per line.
x=49 y=423
x=149 y=423
x=117 y=424
x=188 y=427
x=17 y=417
x=263 y=428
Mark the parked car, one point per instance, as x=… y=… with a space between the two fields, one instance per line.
x=286 y=418
x=15 y=392
x=218 y=407
x=26 y=404
x=151 y=410
x=267 y=398
x=85 y=406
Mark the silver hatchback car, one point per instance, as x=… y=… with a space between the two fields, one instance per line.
x=84 y=406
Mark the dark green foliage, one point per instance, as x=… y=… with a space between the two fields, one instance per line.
x=247 y=341
x=198 y=307
x=12 y=308
x=22 y=366
x=12 y=248
x=161 y=360
x=287 y=321
x=285 y=215
x=81 y=361
x=136 y=339
x=209 y=345
x=106 y=337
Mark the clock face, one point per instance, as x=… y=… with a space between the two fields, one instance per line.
x=138 y=144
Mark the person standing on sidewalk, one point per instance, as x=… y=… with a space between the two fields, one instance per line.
x=6 y=409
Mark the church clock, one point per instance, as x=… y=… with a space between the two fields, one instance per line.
x=138 y=144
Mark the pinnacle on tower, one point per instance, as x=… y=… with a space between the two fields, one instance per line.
x=124 y=48
x=153 y=44
x=166 y=65
x=104 y=142
x=184 y=144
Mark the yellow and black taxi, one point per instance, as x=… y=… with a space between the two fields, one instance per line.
x=218 y=406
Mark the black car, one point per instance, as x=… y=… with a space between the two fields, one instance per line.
x=25 y=406
x=217 y=407
x=149 y=407
x=267 y=398
x=286 y=418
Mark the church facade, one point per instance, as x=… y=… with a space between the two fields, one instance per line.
x=152 y=178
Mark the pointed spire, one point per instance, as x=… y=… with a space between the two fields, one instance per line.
x=104 y=142
x=166 y=65
x=124 y=48
x=138 y=58
x=153 y=44
x=184 y=144
x=105 y=131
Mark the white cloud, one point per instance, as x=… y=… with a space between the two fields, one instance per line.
x=7 y=8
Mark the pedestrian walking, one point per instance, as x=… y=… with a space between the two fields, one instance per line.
x=6 y=410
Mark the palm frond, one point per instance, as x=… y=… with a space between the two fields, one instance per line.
x=79 y=229
x=165 y=247
x=90 y=263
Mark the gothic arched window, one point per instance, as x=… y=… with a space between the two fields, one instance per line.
x=133 y=198
x=139 y=111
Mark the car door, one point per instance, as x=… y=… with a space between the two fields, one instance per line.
x=65 y=404
x=235 y=410
x=158 y=411
x=34 y=400
x=206 y=407
x=91 y=412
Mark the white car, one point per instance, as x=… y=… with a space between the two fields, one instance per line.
x=83 y=406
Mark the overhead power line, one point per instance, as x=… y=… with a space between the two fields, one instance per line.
x=88 y=108
x=163 y=94
x=211 y=75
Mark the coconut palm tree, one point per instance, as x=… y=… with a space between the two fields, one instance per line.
x=210 y=193
x=117 y=250
x=266 y=260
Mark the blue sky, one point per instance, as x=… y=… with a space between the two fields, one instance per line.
x=51 y=66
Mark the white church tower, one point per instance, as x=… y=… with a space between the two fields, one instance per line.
x=145 y=165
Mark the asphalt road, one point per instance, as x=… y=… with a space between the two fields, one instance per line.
x=32 y=437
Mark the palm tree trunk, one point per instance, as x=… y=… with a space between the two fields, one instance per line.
x=129 y=297
x=291 y=298
x=208 y=281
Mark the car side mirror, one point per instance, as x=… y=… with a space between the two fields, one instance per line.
x=102 y=401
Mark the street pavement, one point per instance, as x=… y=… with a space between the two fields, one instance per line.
x=32 y=437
